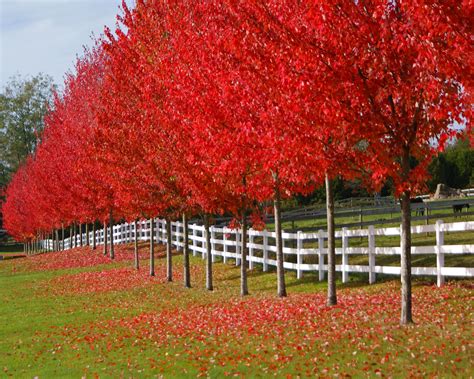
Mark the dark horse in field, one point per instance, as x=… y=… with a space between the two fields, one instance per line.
x=419 y=211
x=457 y=208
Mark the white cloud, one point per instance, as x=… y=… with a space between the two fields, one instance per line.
x=47 y=35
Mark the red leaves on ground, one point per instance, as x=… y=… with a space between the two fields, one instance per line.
x=117 y=279
x=297 y=335
x=82 y=257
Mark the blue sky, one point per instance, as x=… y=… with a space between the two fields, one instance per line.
x=47 y=35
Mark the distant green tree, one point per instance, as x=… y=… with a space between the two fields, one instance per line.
x=453 y=167
x=23 y=104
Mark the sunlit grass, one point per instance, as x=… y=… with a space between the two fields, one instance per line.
x=70 y=321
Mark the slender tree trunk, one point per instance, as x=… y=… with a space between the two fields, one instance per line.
x=56 y=234
x=152 y=249
x=112 y=251
x=94 y=246
x=209 y=285
x=405 y=257
x=137 y=260
x=106 y=229
x=243 y=265
x=80 y=234
x=75 y=234
x=281 y=286
x=87 y=235
x=332 y=297
x=187 y=269
x=62 y=236
x=169 y=258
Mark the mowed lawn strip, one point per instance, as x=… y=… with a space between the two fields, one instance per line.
x=112 y=321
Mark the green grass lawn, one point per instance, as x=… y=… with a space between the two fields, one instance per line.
x=320 y=223
x=11 y=249
x=76 y=314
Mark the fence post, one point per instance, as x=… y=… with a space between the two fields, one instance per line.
x=224 y=247
x=203 y=242
x=345 y=274
x=265 y=250
x=163 y=232
x=194 y=240
x=177 y=236
x=439 y=254
x=213 y=244
x=237 y=247
x=299 y=257
x=250 y=249
x=371 y=254
x=194 y=246
x=321 y=254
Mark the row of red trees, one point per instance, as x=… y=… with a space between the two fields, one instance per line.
x=207 y=107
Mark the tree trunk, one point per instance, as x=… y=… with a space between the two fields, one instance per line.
x=74 y=232
x=169 y=257
x=56 y=234
x=137 y=260
x=152 y=249
x=208 y=254
x=87 y=235
x=332 y=297
x=105 y=237
x=187 y=269
x=62 y=236
x=281 y=286
x=112 y=251
x=80 y=234
x=93 y=237
x=405 y=242
x=243 y=265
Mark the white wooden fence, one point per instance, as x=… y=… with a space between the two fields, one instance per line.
x=226 y=243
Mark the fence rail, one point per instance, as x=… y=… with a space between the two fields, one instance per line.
x=226 y=243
